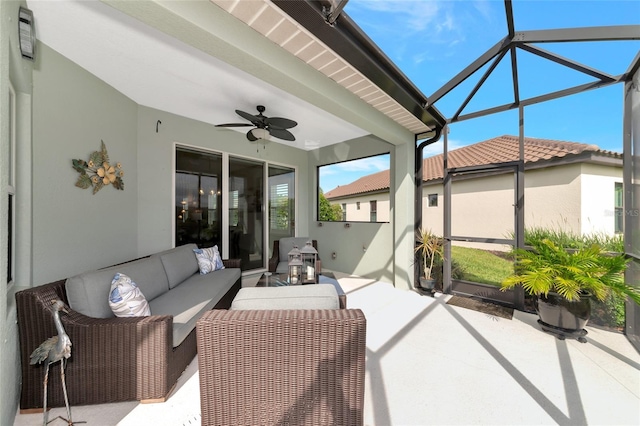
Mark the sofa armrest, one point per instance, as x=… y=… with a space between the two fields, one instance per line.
x=231 y=263
x=275 y=257
x=107 y=354
x=312 y=368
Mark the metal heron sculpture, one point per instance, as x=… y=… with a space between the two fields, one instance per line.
x=52 y=350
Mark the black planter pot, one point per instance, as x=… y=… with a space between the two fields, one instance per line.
x=427 y=284
x=563 y=318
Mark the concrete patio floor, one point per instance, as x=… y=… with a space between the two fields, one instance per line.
x=429 y=363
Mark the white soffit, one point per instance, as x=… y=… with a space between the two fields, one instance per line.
x=159 y=71
x=269 y=20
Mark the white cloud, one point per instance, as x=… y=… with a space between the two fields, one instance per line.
x=437 y=148
x=367 y=165
x=419 y=15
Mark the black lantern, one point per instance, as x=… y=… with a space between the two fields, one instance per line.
x=295 y=266
x=309 y=257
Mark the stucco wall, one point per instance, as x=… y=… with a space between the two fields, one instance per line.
x=363 y=214
x=73 y=229
x=14 y=71
x=553 y=198
x=598 y=198
x=578 y=198
x=156 y=170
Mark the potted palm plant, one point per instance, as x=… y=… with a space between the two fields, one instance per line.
x=428 y=247
x=562 y=283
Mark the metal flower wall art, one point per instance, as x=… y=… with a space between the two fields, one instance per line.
x=98 y=172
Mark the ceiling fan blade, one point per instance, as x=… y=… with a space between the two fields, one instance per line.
x=252 y=118
x=251 y=137
x=281 y=134
x=281 y=123
x=234 y=125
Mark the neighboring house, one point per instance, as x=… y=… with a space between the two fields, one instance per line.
x=365 y=200
x=572 y=186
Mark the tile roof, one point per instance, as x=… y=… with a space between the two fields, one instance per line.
x=501 y=149
x=369 y=183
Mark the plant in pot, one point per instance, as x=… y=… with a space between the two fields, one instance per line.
x=428 y=247
x=562 y=283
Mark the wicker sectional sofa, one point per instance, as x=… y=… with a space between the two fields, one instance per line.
x=122 y=359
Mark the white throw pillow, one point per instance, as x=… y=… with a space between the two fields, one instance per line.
x=126 y=299
x=209 y=259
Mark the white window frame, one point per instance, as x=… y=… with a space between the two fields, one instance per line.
x=11 y=189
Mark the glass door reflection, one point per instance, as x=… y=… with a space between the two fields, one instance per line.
x=246 y=212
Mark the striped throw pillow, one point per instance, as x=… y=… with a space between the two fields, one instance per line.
x=126 y=299
x=209 y=259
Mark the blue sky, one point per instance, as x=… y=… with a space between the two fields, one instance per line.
x=431 y=41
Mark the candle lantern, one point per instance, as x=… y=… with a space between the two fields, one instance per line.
x=295 y=266
x=309 y=257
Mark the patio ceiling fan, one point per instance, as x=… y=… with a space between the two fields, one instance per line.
x=263 y=126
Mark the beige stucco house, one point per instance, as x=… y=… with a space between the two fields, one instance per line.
x=571 y=186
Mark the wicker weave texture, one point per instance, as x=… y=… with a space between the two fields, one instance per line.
x=112 y=359
x=289 y=367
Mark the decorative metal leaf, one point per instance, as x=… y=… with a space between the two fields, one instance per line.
x=105 y=155
x=96 y=157
x=98 y=186
x=93 y=172
x=84 y=181
x=80 y=166
x=118 y=183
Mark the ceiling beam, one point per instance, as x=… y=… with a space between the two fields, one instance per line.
x=609 y=33
x=479 y=84
x=542 y=98
x=497 y=49
x=566 y=62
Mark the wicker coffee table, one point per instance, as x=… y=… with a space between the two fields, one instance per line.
x=269 y=279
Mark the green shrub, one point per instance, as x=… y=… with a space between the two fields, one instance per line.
x=570 y=240
x=611 y=311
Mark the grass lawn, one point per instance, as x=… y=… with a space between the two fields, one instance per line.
x=481 y=266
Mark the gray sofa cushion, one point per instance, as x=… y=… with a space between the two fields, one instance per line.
x=283 y=267
x=192 y=298
x=179 y=263
x=310 y=296
x=285 y=245
x=88 y=293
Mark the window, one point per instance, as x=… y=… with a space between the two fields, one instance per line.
x=373 y=212
x=11 y=187
x=281 y=203
x=433 y=200
x=619 y=209
x=279 y=218
x=345 y=188
x=198 y=190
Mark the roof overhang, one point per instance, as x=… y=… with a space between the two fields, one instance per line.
x=204 y=59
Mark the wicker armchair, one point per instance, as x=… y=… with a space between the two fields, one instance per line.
x=113 y=359
x=277 y=257
x=282 y=367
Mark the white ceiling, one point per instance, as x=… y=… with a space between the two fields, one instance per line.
x=159 y=71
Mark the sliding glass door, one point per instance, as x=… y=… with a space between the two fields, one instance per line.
x=198 y=213
x=282 y=205
x=246 y=212
x=259 y=204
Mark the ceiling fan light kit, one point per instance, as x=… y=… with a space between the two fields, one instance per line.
x=264 y=127
x=260 y=134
